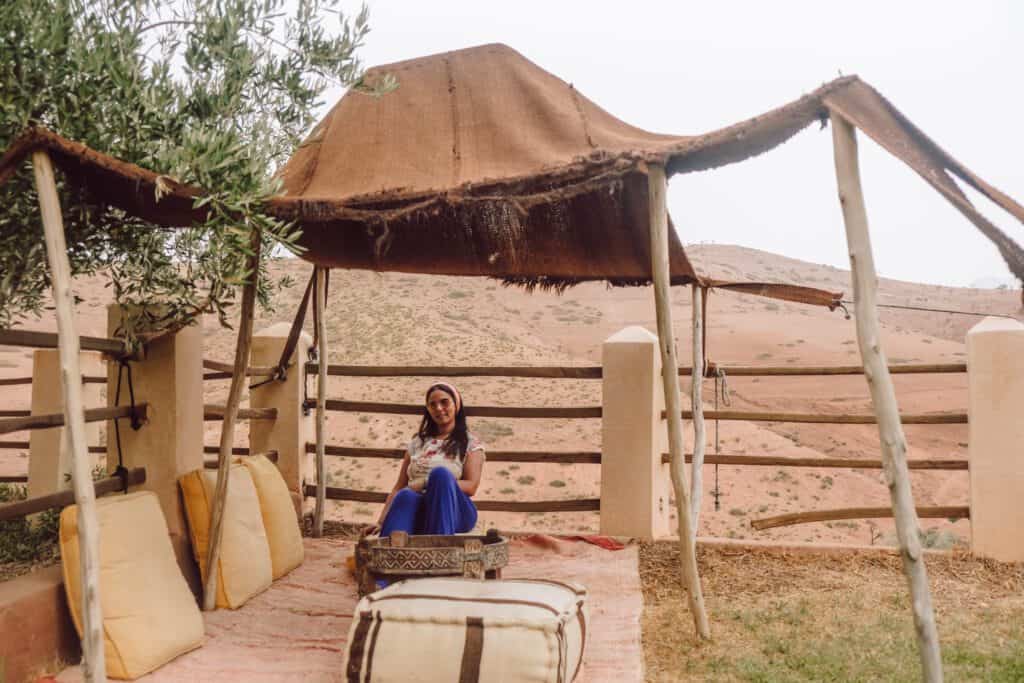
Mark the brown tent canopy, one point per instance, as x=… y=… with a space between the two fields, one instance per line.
x=482 y=163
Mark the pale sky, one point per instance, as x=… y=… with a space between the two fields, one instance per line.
x=954 y=68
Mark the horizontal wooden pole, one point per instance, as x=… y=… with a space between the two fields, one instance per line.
x=791 y=461
x=15 y=413
x=808 y=371
x=212 y=413
x=789 y=519
x=48 y=340
x=17 y=424
x=571 y=505
x=14 y=479
x=471 y=411
x=16 y=445
x=818 y=418
x=578 y=458
x=16 y=381
x=269 y=455
x=596 y=372
x=237 y=450
x=549 y=372
x=62 y=499
x=229 y=368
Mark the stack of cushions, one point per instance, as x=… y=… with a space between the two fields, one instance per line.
x=454 y=629
x=244 y=567
x=149 y=614
x=278 y=513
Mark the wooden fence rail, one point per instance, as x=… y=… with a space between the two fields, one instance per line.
x=791 y=461
x=48 y=340
x=570 y=505
x=14 y=479
x=225 y=370
x=813 y=371
x=20 y=445
x=471 y=411
x=61 y=499
x=269 y=455
x=15 y=413
x=16 y=381
x=212 y=413
x=819 y=418
x=946 y=512
x=596 y=372
x=237 y=450
x=576 y=457
x=549 y=372
x=18 y=424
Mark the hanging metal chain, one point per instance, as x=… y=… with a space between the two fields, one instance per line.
x=136 y=423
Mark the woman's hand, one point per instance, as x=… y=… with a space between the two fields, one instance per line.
x=417 y=486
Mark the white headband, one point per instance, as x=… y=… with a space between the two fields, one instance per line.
x=453 y=391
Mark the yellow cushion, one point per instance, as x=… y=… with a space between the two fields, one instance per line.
x=279 y=518
x=244 y=564
x=149 y=614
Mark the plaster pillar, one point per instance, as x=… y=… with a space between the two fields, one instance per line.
x=635 y=485
x=995 y=366
x=291 y=430
x=49 y=464
x=170 y=443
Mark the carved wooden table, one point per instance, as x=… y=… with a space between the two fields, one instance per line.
x=401 y=556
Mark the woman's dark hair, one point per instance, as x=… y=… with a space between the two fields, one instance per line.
x=457 y=442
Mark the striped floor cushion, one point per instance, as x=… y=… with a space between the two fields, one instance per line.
x=465 y=631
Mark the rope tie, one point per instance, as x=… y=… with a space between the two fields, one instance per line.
x=720 y=375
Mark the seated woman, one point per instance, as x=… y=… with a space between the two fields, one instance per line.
x=440 y=472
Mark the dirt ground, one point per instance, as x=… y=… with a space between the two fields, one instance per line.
x=812 y=617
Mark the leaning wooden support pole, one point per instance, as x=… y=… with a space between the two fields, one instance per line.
x=697 y=405
x=321 y=402
x=883 y=395
x=94 y=666
x=227 y=434
x=670 y=381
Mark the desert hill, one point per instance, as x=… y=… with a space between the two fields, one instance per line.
x=398 y=319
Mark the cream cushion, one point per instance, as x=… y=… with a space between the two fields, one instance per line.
x=149 y=614
x=455 y=629
x=278 y=512
x=245 y=568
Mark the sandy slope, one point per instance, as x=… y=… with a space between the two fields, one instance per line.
x=414 y=319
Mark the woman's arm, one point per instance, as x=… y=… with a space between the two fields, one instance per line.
x=403 y=481
x=472 y=472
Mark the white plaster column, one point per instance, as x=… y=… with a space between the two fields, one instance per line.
x=291 y=430
x=635 y=484
x=49 y=464
x=170 y=443
x=995 y=366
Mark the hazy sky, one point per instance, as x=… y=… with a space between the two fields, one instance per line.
x=954 y=68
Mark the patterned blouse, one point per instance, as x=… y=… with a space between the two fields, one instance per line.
x=426 y=454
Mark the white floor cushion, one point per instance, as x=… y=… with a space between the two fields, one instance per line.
x=454 y=629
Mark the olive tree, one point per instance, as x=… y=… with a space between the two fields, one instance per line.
x=214 y=93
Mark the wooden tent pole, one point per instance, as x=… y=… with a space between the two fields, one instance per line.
x=658 y=219
x=94 y=666
x=227 y=434
x=321 y=401
x=697 y=405
x=883 y=395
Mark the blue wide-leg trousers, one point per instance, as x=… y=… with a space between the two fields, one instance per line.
x=442 y=509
